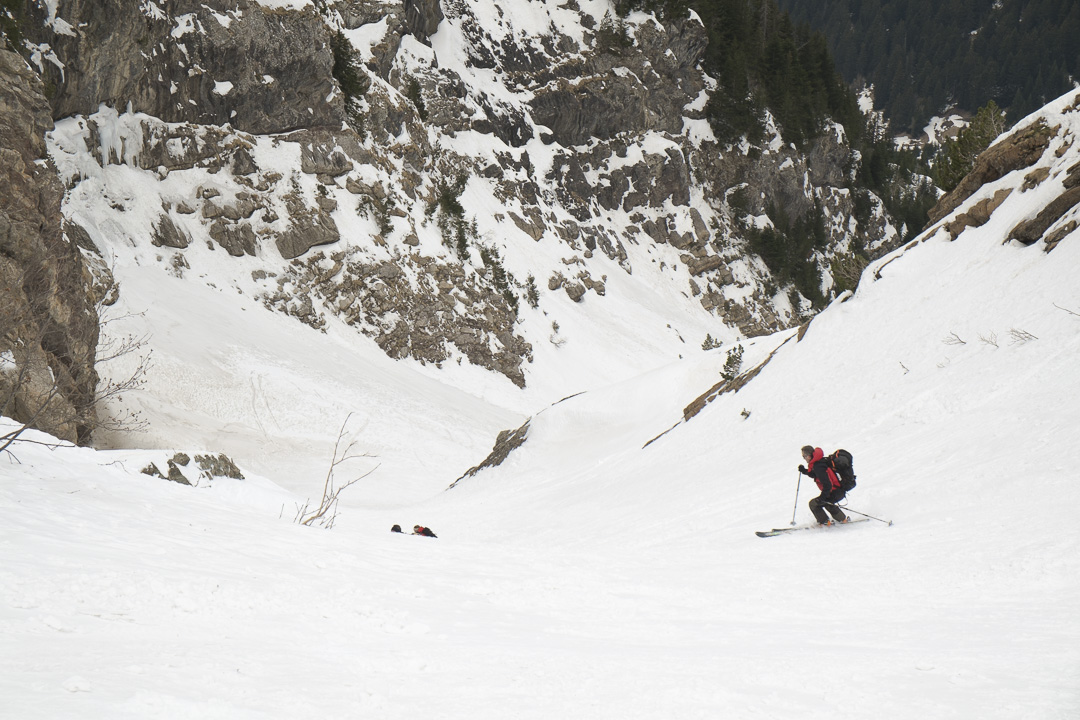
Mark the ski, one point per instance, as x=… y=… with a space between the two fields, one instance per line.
x=815 y=526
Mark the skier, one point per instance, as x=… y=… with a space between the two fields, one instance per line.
x=421 y=530
x=828 y=484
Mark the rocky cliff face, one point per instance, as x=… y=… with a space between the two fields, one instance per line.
x=256 y=68
x=1037 y=163
x=48 y=323
x=503 y=161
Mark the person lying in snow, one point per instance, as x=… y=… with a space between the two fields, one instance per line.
x=828 y=483
x=421 y=530
x=396 y=528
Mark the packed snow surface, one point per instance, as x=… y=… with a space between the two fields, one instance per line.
x=587 y=576
x=609 y=567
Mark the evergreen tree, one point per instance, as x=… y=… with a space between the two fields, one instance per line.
x=965 y=52
x=10 y=14
x=959 y=155
x=762 y=59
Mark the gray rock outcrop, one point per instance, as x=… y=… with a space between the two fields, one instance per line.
x=422 y=17
x=48 y=322
x=256 y=68
x=1020 y=150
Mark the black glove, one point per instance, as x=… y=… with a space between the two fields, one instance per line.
x=802 y=469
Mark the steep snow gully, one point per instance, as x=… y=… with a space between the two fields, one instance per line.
x=588 y=575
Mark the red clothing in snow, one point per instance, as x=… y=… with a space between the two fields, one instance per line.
x=821 y=472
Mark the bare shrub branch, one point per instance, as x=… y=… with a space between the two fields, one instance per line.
x=1067 y=310
x=39 y=384
x=953 y=339
x=326 y=513
x=990 y=339
x=1020 y=336
x=555 y=339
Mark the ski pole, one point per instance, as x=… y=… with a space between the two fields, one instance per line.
x=796 y=509
x=887 y=522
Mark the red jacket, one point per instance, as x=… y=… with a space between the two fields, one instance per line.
x=822 y=473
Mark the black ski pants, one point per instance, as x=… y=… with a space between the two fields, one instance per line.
x=827 y=501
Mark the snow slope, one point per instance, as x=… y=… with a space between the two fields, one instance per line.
x=588 y=575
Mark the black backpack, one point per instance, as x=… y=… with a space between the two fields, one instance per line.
x=841 y=463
